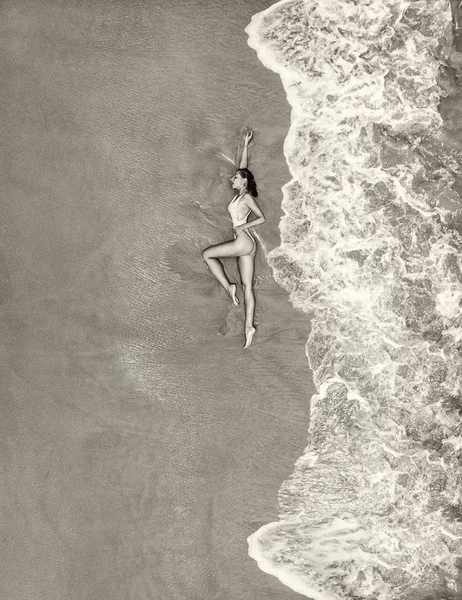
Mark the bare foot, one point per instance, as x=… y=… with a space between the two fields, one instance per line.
x=249 y=332
x=232 y=292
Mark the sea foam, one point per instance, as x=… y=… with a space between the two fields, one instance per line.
x=373 y=508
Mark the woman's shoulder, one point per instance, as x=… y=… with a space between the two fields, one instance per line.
x=248 y=198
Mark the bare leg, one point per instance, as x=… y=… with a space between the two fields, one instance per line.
x=246 y=268
x=212 y=257
x=216 y=267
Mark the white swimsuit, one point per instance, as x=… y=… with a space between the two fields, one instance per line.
x=232 y=209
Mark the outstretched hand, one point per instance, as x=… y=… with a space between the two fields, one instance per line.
x=248 y=136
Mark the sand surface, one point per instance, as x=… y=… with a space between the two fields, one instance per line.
x=140 y=444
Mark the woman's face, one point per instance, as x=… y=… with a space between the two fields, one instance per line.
x=237 y=181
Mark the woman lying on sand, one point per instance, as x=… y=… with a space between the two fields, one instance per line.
x=244 y=246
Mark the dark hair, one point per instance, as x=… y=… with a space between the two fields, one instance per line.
x=251 y=185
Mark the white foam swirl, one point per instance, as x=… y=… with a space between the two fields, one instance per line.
x=373 y=509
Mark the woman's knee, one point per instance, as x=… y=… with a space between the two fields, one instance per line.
x=206 y=254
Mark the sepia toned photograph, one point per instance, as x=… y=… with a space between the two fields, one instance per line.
x=231 y=299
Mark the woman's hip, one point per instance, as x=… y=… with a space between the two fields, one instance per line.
x=247 y=240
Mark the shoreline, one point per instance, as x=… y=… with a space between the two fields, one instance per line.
x=448 y=141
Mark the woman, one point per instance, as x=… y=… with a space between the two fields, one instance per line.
x=244 y=246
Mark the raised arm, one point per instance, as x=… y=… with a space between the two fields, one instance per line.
x=245 y=151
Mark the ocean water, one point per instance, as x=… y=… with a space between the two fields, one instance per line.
x=371 y=250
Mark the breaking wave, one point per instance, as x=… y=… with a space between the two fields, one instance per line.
x=373 y=508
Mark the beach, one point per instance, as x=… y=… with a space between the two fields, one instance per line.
x=146 y=453
x=141 y=445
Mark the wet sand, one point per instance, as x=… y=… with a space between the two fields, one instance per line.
x=140 y=444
